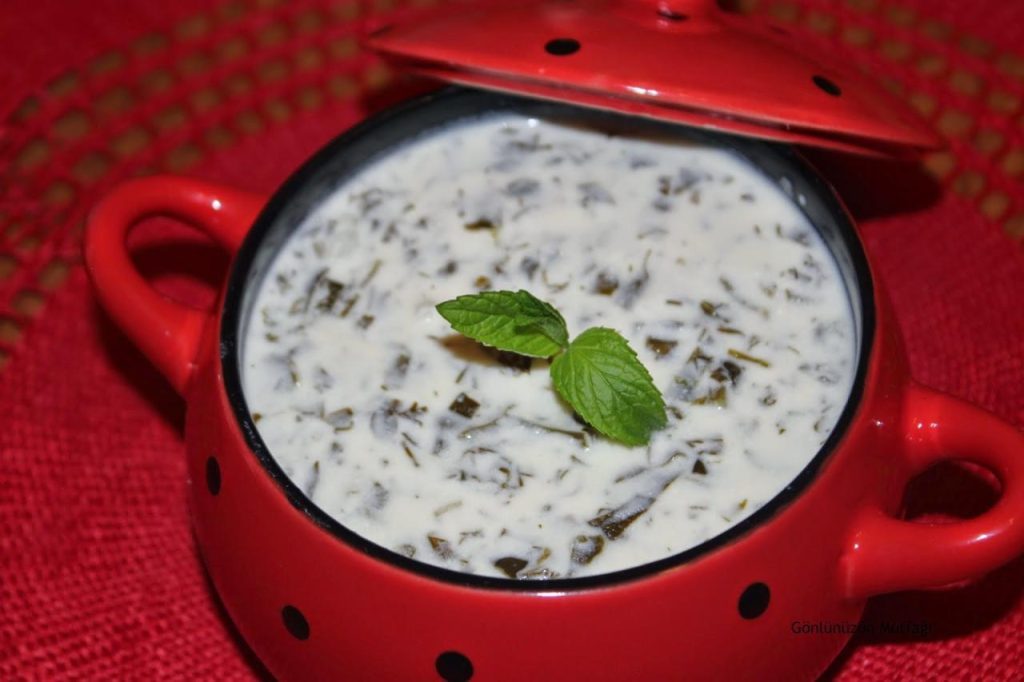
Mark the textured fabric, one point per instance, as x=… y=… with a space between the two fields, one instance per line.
x=99 y=574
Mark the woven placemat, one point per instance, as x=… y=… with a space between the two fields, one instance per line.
x=99 y=575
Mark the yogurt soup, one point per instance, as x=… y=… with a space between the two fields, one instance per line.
x=447 y=452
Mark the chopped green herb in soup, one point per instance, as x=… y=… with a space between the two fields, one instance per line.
x=429 y=444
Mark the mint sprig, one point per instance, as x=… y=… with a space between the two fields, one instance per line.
x=598 y=374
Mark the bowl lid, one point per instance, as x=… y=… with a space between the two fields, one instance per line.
x=685 y=61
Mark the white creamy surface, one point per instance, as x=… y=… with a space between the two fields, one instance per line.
x=718 y=282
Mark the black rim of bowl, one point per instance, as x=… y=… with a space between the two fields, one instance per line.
x=344 y=156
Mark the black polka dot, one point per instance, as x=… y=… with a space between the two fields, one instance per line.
x=827 y=86
x=212 y=475
x=294 y=622
x=754 y=600
x=454 y=667
x=560 y=47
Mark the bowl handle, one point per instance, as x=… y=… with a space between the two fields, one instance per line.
x=887 y=554
x=167 y=332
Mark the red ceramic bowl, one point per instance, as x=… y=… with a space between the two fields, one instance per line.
x=317 y=602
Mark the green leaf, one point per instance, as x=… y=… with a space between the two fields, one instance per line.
x=605 y=382
x=515 y=321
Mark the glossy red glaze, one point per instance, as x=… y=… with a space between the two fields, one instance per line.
x=167 y=333
x=684 y=61
x=888 y=555
x=835 y=544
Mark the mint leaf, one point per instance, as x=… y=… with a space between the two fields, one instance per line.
x=515 y=321
x=605 y=382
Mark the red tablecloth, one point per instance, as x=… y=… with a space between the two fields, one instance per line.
x=99 y=576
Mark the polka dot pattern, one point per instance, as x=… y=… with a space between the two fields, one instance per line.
x=179 y=98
